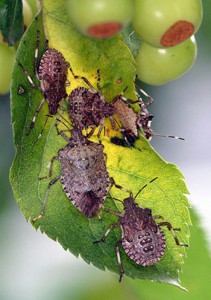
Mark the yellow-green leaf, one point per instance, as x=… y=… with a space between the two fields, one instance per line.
x=131 y=168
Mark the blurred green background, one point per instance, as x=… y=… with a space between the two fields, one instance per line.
x=34 y=267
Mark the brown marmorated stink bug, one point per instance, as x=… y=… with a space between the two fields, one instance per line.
x=87 y=107
x=142 y=238
x=52 y=75
x=84 y=177
x=132 y=121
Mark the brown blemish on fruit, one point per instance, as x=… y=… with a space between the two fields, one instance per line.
x=177 y=33
x=104 y=30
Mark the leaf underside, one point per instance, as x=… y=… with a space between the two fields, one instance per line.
x=131 y=168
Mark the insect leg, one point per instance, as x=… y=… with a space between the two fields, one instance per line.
x=36 y=54
x=150 y=99
x=29 y=78
x=51 y=168
x=101 y=128
x=88 y=135
x=61 y=132
x=121 y=270
x=50 y=116
x=84 y=79
x=52 y=182
x=41 y=132
x=158 y=217
x=35 y=116
x=114 y=124
x=113 y=183
x=111 y=211
x=106 y=234
x=169 y=226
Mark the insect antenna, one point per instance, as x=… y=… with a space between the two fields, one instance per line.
x=60 y=121
x=61 y=132
x=118 y=200
x=115 y=199
x=144 y=187
x=170 y=136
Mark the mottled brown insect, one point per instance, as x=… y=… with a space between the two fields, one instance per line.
x=142 y=238
x=132 y=121
x=52 y=75
x=84 y=177
x=88 y=108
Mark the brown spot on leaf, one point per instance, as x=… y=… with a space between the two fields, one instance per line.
x=119 y=80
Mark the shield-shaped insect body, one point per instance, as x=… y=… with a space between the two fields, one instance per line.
x=88 y=109
x=51 y=72
x=142 y=239
x=84 y=176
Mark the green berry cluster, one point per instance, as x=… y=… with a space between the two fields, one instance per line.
x=166 y=29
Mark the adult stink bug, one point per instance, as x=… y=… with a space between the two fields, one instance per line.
x=132 y=121
x=88 y=109
x=84 y=177
x=142 y=238
x=52 y=75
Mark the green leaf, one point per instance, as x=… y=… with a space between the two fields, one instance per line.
x=11 y=20
x=131 y=168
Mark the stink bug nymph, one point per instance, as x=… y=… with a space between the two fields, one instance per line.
x=142 y=238
x=52 y=75
x=87 y=106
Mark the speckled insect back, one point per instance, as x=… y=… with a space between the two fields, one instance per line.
x=127 y=116
x=87 y=106
x=84 y=176
x=88 y=109
x=142 y=238
x=132 y=120
x=52 y=75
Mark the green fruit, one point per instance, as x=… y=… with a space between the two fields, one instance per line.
x=157 y=66
x=7 y=60
x=100 y=18
x=166 y=23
